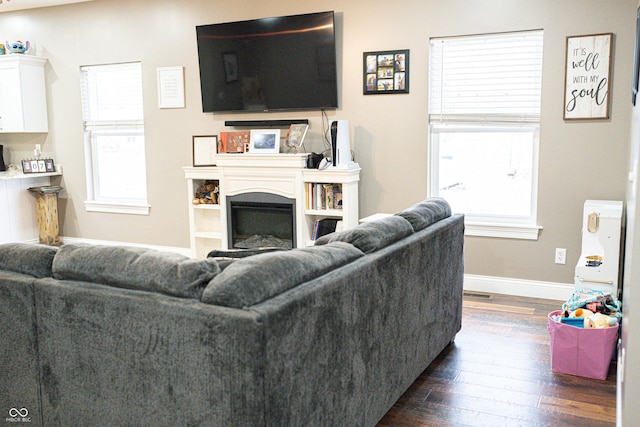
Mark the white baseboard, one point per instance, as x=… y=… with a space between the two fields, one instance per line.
x=518 y=287
x=182 y=251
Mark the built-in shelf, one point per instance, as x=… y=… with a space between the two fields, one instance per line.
x=281 y=174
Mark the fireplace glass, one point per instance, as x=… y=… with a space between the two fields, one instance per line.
x=257 y=220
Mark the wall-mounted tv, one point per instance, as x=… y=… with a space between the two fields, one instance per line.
x=271 y=64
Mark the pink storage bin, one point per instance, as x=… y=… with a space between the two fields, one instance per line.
x=581 y=352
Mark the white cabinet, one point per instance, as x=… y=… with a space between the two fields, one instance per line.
x=23 y=102
x=18 y=219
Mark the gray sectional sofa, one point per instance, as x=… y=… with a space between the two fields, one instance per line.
x=329 y=335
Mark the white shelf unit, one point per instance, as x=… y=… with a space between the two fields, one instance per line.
x=284 y=175
x=205 y=223
x=348 y=180
x=23 y=102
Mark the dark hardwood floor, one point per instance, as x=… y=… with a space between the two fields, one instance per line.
x=498 y=373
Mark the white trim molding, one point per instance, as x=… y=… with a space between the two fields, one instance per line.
x=505 y=231
x=117 y=207
x=518 y=287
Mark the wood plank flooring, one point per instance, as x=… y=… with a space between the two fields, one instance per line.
x=498 y=373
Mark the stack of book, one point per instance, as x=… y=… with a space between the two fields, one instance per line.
x=323 y=196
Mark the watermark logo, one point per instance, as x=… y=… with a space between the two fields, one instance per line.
x=18 y=416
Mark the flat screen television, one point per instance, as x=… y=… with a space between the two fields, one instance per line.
x=271 y=64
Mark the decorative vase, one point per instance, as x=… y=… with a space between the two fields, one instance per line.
x=2 y=166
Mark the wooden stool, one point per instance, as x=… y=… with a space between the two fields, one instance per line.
x=47 y=211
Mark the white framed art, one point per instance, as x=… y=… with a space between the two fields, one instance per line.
x=264 y=141
x=205 y=149
x=587 y=77
x=170 y=87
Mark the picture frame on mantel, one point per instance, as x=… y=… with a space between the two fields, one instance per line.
x=588 y=77
x=205 y=149
x=264 y=141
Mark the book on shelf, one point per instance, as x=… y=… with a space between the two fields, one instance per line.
x=323 y=196
x=324 y=226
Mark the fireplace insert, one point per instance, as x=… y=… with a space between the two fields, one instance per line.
x=257 y=219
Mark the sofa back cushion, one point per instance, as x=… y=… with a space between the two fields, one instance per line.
x=26 y=258
x=374 y=235
x=425 y=213
x=135 y=268
x=251 y=280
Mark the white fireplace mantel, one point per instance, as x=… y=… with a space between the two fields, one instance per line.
x=281 y=174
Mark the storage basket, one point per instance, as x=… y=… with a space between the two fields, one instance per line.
x=578 y=351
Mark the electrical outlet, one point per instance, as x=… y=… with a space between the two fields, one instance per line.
x=561 y=256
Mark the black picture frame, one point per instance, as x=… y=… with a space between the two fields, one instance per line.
x=26 y=166
x=385 y=72
x=38 y=166
x=49 y=166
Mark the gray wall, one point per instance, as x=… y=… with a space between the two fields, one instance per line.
x=578 y=160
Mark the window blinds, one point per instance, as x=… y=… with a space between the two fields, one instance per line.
x=483 y=78
x=112 y=94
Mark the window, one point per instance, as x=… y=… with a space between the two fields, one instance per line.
x=484 y=119
x=114 y=138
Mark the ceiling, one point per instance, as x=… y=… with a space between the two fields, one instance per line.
x=10 y=5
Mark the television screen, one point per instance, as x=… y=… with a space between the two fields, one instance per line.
x=281 y=63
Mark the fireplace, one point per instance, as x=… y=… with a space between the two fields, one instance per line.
x=259 y=219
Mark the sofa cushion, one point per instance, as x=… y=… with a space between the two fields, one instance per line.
x=135 y=268
x=26 y=258
x=374 y=235
x=251 y=280
x=241 y=253
x=425 y=213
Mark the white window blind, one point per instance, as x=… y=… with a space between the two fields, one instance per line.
x=112 y=110
x=112 y=93
x=484 y=117
x=496 y=77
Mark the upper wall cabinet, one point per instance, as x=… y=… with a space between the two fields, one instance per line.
x=23 y=101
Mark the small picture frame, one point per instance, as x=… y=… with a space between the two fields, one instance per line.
x=296 y=135
x=386 y=72
x=234 y=142
x=26 y=166
x=38 y=166
x=264 y=141
x=205 y=149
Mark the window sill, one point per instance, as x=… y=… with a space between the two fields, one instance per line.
x=115 y=207
x=505 y=231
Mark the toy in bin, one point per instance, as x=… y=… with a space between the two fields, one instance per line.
x=584 y=333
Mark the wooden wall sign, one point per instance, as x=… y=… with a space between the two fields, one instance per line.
x=587 y=77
